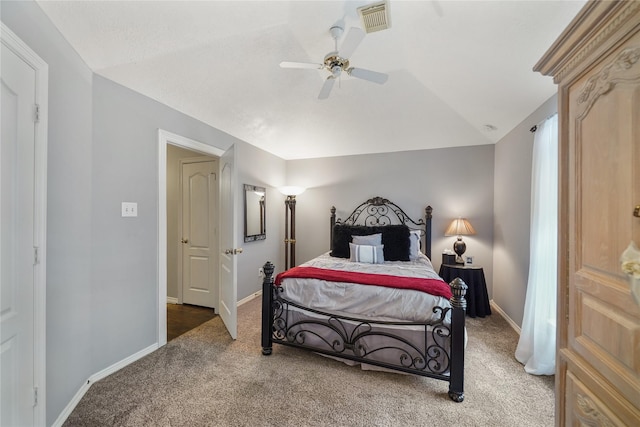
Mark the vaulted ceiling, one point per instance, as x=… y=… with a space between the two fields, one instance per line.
x=460 y=72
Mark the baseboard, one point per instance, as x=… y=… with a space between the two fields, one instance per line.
x=98 y=376
x=496 y=307
x=249 y=298
x=71 y=405
x=172 y=300
x=121 y=364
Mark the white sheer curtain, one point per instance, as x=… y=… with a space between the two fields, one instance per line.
x=537 y=346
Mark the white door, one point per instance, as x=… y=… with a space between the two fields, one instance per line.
x=17 y=252
x=199 y=220
x=228 y=242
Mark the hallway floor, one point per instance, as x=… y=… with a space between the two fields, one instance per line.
x=184 y=317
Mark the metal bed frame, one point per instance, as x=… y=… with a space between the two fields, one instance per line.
x=438 y=350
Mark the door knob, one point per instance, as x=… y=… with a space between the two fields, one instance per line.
x=233 y=251
x=184 y=240
x=636 y=211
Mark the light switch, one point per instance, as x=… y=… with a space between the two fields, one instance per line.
x=129 y=209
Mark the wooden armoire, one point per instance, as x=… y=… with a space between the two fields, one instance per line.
x=596 y=64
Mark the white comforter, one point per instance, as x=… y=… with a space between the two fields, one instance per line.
x=374 y=302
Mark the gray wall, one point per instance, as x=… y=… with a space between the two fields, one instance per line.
x=125 y=168
x=102 y=269
x=264 y=170
x=512 y=213
x=454 y=181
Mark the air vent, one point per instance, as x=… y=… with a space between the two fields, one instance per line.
x=375 y=16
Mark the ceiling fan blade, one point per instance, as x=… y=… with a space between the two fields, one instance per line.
x=372 y=76
x=287 y=64
x=351 y=42
x=326 y=87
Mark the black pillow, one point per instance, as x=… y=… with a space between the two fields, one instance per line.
x=395 y=239
x=342 y=237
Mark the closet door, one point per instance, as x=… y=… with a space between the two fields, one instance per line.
x=596 y=63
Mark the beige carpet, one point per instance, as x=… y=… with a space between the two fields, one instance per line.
x=203 y=378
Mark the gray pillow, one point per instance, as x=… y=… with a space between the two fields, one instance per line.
x=414 y=247
x=371 y=239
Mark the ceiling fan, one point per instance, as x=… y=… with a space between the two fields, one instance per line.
x=337 y=62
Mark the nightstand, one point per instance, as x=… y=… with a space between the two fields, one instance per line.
x=477 y=296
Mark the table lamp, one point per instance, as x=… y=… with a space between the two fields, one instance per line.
x=459 y=227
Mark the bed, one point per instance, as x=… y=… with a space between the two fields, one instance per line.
x=374 y=299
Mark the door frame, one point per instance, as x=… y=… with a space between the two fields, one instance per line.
x=24 y=52
x=165 y=138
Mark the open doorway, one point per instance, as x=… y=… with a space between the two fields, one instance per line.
x=192 y=216
x=190 y=149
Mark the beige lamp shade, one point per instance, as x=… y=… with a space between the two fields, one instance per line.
x=459 y=227
x=291 y=190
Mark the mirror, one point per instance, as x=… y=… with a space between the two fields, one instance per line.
x=254 y=213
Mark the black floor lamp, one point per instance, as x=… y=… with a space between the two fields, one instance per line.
x=290 y=224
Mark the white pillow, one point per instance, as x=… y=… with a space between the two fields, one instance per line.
x=369 y=239
x=370 y=254
x=414 y=247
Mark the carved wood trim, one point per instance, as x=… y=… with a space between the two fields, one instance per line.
x=589 y=414
x=571 y=48
x=619 y=70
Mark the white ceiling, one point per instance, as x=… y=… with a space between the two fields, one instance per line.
x=454 y=67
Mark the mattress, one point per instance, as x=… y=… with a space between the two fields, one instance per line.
x=368 y=301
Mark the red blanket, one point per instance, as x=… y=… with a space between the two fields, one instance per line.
x=436 y=287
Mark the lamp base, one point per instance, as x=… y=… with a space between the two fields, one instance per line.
x=459 y=247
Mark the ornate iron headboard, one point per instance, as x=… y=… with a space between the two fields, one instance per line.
x=381 y=211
